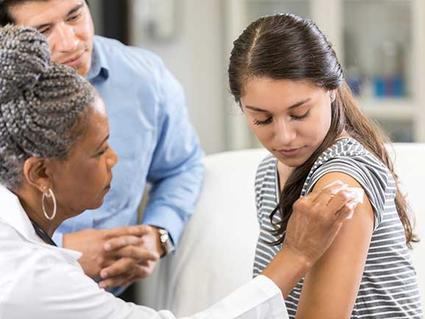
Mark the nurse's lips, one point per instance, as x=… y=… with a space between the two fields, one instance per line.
x=108 y=187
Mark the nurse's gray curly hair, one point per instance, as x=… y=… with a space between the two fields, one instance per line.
x=42 y=104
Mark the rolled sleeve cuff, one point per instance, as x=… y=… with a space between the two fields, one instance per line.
x=167 y=218
x=267 y=286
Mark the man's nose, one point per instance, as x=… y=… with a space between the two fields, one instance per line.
x=64 y=39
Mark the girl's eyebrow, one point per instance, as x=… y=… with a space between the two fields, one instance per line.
x=295 y=105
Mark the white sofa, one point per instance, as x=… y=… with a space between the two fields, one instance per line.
x=216 y=251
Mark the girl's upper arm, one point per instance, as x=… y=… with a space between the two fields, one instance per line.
x=330 y=288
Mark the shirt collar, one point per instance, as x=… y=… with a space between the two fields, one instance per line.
x=99 y=64
x=13 y=214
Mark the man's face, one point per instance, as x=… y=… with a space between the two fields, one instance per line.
x=67 y=25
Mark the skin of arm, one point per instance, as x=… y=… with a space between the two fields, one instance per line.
x=331 y=285
x=313 y=226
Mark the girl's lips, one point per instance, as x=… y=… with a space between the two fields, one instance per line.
x=289 y=152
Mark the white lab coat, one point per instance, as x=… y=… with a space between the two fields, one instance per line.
x=40 y=281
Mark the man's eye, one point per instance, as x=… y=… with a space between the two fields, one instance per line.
x=74 y=17
x=44 y=31
x=264 y=122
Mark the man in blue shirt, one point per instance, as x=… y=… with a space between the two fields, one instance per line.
x=150 y=131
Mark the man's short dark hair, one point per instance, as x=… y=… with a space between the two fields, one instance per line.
x=5 y=17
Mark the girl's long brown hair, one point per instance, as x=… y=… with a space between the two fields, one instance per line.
x=288 y=47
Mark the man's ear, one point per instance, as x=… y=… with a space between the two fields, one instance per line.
x=36 y=173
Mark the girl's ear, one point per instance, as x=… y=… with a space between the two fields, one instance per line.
x=332 y=95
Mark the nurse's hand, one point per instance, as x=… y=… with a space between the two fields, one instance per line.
x=317 y=218
x=314 y=224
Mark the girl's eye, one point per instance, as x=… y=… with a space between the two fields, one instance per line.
x=300 y=117
x=264 y=122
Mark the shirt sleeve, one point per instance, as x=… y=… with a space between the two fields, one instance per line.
x=176 y=171
x=372 y=175
x=54 y=289
x=258 y=299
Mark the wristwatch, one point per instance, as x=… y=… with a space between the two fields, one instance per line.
x=166 y=241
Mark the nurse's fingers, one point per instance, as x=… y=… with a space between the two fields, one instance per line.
x=116 y=274
x=346 y=200
x=118 y=281
x=323 y=196
x=128 y=265
x=139 y=272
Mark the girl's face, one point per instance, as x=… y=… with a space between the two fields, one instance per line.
x=290 y=118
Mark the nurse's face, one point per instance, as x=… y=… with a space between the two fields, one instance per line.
x=81 y=181
x=290 y=118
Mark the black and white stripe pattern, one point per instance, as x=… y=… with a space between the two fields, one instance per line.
x=388 y=288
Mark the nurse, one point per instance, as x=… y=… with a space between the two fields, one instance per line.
x=55 y=163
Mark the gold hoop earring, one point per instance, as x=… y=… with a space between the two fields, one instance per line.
x=51 y=195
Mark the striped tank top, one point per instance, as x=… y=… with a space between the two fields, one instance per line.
x=388 y=287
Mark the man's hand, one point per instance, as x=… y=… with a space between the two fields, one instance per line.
x=133 y=262
x=314 y=224
x=91 y=243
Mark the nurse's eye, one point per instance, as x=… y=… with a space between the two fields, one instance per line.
x=101 y=152
x=263 y=122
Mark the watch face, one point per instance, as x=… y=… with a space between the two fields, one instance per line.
x=166 y=243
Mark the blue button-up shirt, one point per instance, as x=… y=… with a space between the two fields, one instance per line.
x=151 y=133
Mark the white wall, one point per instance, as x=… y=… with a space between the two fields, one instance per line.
x=195 y=55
